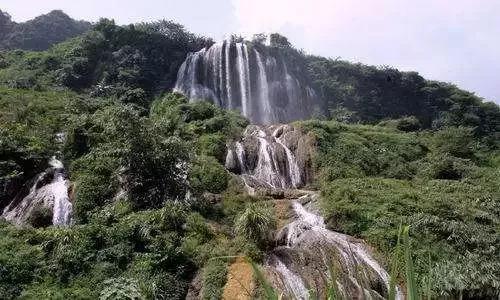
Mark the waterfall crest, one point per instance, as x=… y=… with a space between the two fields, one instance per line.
x=48 y=191
x=247 y=77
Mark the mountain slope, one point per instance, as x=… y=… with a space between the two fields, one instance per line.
x=166 y=191
x=40 y=33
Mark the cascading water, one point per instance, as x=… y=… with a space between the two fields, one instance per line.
x=272 y=164
x=276 y=157
x=62 y=210
x=312 y=249
x=255 y=82
x=48 y=191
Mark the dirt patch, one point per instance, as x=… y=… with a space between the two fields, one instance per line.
x=240 y=283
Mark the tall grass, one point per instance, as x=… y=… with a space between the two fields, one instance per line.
x=412 y=290
x=411 y=284
x=269 y=292
x=395 y=267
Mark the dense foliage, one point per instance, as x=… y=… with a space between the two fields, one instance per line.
x=137 y=231
x=368 y=94
x=40 y=33
x=443 y=184
x=155 y=207
x=133 y=63
x=29 y=121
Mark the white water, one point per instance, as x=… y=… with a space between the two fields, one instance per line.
x=53 y=195
x=228 y=76
x=293 y=283
x=311 y=226
x=240 y=154
x=253 y=82
x=266 y=169
x=264 y=108
x=62 y=210
x=293 y=166
x=276 y=165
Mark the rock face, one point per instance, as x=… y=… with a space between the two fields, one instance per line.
x=251 y=78
x=272 y=157
x=310 y=258
x=47 y=200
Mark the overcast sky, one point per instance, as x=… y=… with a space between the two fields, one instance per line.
x=449 y=40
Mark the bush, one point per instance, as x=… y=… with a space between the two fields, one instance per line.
x=121 y=288
x=214 y=279
x=207 y=174
x=213 y=145
x=41 y=216
x=406 y=124
x=457 y=141
x=444 y=166
x=256 y=223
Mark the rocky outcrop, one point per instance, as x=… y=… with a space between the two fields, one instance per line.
x=310 y=259
x=42 y=201
x=275 y=157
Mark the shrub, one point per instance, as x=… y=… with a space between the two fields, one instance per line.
x=406 y=124
x=121 y=288
x=457 y=141
x=207 y=174
x=41 y=216
x=214 y=279
x=444 y=166
x=256 y=223
x=213 y=145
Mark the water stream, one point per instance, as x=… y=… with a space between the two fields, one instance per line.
x=49 y=190
x=308 y=239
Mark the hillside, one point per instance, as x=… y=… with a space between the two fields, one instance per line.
x=40 y=33
x=113 y=186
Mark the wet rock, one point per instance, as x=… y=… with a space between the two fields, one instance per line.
x=307 y=254
x=46 y=198
x=275 y=157
x=211 y=198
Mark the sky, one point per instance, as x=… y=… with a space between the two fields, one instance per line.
x=456 y=41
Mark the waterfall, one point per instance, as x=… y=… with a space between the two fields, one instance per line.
x=293 y=283
x=49 y=190
x=293 y=167
x=244 y=76
x=275 y=165
x=62 y=210
x=229 y=94
x=253 y=82
x=240 y=154
x=272 y=158
x=265 y=110
x=267 y=169
x=308 y=231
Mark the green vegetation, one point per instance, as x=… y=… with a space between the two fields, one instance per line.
x=132 y=63
x=154 y=205
x=134 y=235
x=361 y=93
x=256 y=223
x=29 y=121
x=39 y=33
x=443 y=184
